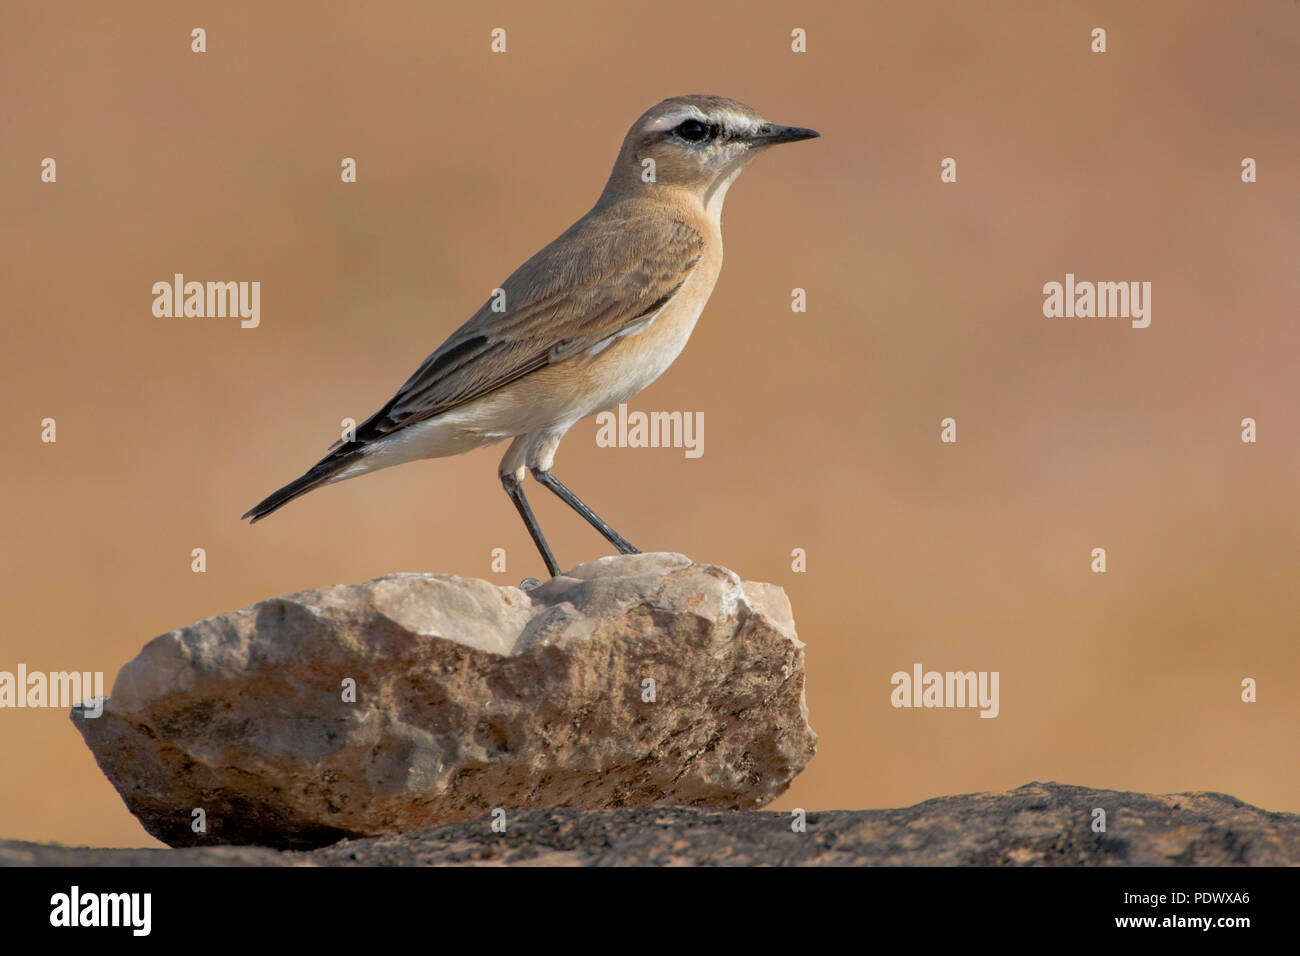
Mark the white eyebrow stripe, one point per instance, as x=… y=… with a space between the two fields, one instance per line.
x=738 y=122
x=730 y=120
x=669 y=120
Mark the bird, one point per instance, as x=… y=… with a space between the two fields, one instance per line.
x=587 y=322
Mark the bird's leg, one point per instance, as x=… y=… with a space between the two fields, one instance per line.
x=515 y=489
x=572 y=500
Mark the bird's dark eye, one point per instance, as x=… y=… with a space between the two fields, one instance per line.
x=692 y=130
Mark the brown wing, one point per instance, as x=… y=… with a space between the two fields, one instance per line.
x=602 y=275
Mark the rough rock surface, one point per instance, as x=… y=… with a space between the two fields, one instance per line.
x=469 y=697
x=1034 y=825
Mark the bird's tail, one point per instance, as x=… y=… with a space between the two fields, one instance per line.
x=321 y=473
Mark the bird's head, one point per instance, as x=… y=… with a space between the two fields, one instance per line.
x=695 y=143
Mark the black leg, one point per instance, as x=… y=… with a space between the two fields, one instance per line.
x=515 y=489
x=570 y=499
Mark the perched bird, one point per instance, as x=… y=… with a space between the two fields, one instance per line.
x=586 y=323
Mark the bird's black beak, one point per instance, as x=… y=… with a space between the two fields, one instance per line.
x=769 y=135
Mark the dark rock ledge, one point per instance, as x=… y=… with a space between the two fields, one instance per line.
x=1039 y=824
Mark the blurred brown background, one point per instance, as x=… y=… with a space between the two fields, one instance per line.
x=822 y=429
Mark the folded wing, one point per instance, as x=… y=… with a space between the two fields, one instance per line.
x=599 y=278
